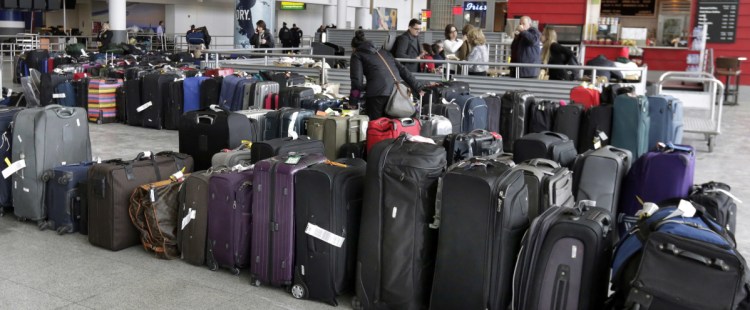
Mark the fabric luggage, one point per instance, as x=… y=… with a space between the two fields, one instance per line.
x=564 y=260
x=321 y=103
x=335 y=131
x=596 y=128
x=630 y=124
x=282 y=146
x=549 y=185
x=102 y=105
x=121 y=113
x=192 y=218
x=473 y=112
x=328 y=197
x=45 y=138
x=259 y=92
x=542 y=115
x=228 y=158
x=549 y=145
x=494 y=109
x=598 y=176
x=586 y=96
x=110 y=186
x=205 y=132
x=272 y=241
x=515 y=107
x=257 y=120
x=153 y=211
x=718 y=201
x=173 y=108
x=191 y=95
x=7 y=114
x=481 y=220
x=478 y=143
x=210 y=91
x=665 y=114
x=133 y=100
x=64 y=94
x=611 y=91
x=293 y=96
x=354 y=150
x=452 y=89
x=229 y=218
x=387 y=128
x=242 y=94
x=399 y=198
x=153 y=88
x=567 y=121
x=64 y=198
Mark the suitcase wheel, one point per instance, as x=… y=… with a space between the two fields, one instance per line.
x=356 y=305
x=64 y=230
x=299 y=290
x=212 y=264
x=43 y=225
x=254 y=281
x=235 y=271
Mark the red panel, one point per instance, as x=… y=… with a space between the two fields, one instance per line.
x=571 y=12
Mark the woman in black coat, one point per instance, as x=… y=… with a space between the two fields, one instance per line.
x=554 y=53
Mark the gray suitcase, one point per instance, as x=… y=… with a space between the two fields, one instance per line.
x=231 y=158
x=434 y=125
x=549 y=185
x=335 y=131
x=45 y=138
x=257 y=118
x=259 y=93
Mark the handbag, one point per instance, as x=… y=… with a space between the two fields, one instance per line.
x=399 y=104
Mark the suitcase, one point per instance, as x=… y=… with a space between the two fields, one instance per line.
x=45 y=138
x=386 y=128
x=191 y=94
x=453 y=89
x=205 y=132
x=277 y=124
x=353 y=150
x=515 y=106
x=494 y=109
x=109 y=188
x=451 y=111
x=6 y=125
x=321 y=103
x=598 y=175
x=133 y=101
x=564 y=260
x=542 y=116
x=153 y=211
x=665 y=114
x=549 y=145
x=283 y=146
x=293 y=96
x=228 y=158
x=329 y=199
x=335 y=131
x=257 y=120
x=193 y=218
x=469 y=199
x=611 y=91
x=478 y=143
x=219 y=72
x=64 y=198
x=102 y=104
x=81 y=88
x=473 y=112
x=399 y=198
x=64 y=94
x=173 y=108
x=273 y=206
x=596 y=128
x=434 y=125
x=229 y=86
x=568 y=121
x=229 y=218
x=586 y=96
x=549 y=185
x=718 y=201
x=285 y=79
x=630 y=124
x=153 y=91
x=209 y=92
x=242 y=94
x=121 y=113
x=271 y=102
x=260 y=91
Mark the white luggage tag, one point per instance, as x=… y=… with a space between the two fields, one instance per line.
x=58 y=96
x=290 y=131
x=188 y=217
x=324 y=235
x=10 y=91
x=13 y=168
x=215 y=108
x=143 y=107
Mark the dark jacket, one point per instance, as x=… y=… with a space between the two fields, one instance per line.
x=296 y=36
x=561 y=55
x=106 y=39
x=255 y=40
x=601 y=61
x=365 y=63
x=285 y=35
x=407 y=46
x=526 y=49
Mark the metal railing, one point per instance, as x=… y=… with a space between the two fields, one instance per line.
x=227 y=41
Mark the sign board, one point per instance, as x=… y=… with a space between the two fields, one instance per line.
x=246 y=14
x=721 y=18
x=628 y=7
x=293 y=6
x=475 y=6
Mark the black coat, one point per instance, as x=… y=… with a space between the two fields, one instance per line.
x=285 y=35
x=407 y=46
x=255 y=40
x=296 y=36
x=561 y=55
x=601 y=61
x=525 y=49
x=365 y=63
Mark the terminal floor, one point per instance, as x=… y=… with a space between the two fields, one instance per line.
x=41 y=270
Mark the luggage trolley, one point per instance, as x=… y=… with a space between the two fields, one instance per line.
x=702 y=108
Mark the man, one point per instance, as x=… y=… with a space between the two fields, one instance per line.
x=262 y=38
x=296 y=37
x=285 y=36
x=526 y=48
x=160 y=34
x=407 y=45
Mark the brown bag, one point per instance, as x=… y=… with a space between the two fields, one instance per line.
x=153 y=210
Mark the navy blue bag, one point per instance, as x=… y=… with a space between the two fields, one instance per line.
x=65 y=94
x=473 y=112
x=195 y=38
x=228 y=89
x=65 y=208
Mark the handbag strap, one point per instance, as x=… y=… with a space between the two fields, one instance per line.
x=395 y=80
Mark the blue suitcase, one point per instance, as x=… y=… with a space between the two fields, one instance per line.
x=228 y=88
x=191 y=91
x=473 y=112
x=241 y=94
x=630 y=124
x=666 y=120
x=64 y=94
x=6 y=120
x=64 y=198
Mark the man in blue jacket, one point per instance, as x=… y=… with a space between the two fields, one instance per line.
x=526 y=48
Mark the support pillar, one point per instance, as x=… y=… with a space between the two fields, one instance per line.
x=362 y=18
x=117 y=18
x=341 y=16
x=329 y=15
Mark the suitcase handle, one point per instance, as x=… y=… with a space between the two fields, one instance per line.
x=536 y=162
x=556 y=134
x=65 y=112
x=407 y=122
x=208 y=118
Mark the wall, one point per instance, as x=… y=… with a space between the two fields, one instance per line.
x=308 y=20
x=55 y=18
x=569 y=12
x=741 y=45
x=140 y=14
x=311 y=18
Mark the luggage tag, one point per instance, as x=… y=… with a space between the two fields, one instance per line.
x=293 y=159
x=178 y=176
x=335 y=164
x=324 y=235
x=188 y=217
x=152 y=195
x=215 y=108
x=13 y=168
x=58 y=96
x=597 y=143
x=290 y=131
x=143 y=107
x=10 y=91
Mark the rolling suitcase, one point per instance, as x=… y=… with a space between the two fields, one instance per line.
x=630 y=124
x=205 y=132
x=494 y=109
x=564 y=260
x=542 y=115
x=228 y=158
x=44 y=138
x=260 y=91
x=293 y=96
x=108 y=192
x=121 y=103
x=6 y=126
x=210 y=91
x=64 y=198
x=271 y=102
x=64 y=94
x=473 y=112
x=387 y=128
x=152 y=89
x=219 y=72
x=434 y=125
x=549 y=185
x=191 y=94
x=568 y=121
x=452 y=89
x=665 y=114
x=173 y=108
x=242 y=94
x=549 y=145
x=328 y=199
x=478 y=143
x=283 y=146
x=229 y=218
x=193 y=218
x=273 y=206
x=353 y=150
x=257 y=120
x=102 y=104
x=281 y=123
x=596 y=128
x=586 y=96
x=335 y=131
x=449 y=110
x=133 y=101
x=598 y=176
x=515 y=107
x=321 y=103
x=81 y=87
x=399 y=198
x=482 y=207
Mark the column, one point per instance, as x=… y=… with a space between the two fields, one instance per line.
x=117 y=16
x=341 y=16
x=329 y=15
x=362 y=18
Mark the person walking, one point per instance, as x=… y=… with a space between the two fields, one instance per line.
x=285 y=36
x=407 y=45
x=526 y=49
x=296 y=37
x=262 y=38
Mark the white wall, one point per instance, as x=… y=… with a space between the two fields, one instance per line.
x=217 y=17
x=55 y=18
x=311 y=18
x=308 y=20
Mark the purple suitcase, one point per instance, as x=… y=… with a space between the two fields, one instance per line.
x=272 y=245
x=228 y=239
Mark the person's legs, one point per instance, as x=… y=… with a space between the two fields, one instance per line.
x=375 y=107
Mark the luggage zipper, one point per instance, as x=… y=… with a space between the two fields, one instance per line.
x=272 y=214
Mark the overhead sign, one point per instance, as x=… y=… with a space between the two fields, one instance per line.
x=293 y=6
x=628 y=7
x=475 y=6
x=721 y=18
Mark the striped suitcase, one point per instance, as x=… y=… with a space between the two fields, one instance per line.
x=102 y=100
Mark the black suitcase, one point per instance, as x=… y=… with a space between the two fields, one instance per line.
x=481 y=221
x=451 y=111
x=193 y=216
x=209 y=91
x=494 y=110
x=542 y=115
x=515 y=107
x=133 y=101
x=353 y=150
x=121 y=105
x=173 y=107
x=281 y=146
x=564 y=260
x=293 y=96
x=277 y=122
x=568 y=120
x=81 y=88
x=152 y=93
x=328 y=196
x=596 y=128
x=547 y=144
x=394 y=271
x=203 y=133
x=454 y=89
x=549 y=185
x=477 y=143
x=598 y=175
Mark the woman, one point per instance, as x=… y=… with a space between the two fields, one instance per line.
x=262 y=37
x=466 y=47
x=479 y=52
x=452 y=43
x=554 y=53
x=104 y=38
x=374 y=64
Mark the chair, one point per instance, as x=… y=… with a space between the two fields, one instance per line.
x=729 y=67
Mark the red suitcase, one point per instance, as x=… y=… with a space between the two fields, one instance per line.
x=271 y=102
x=588 y=97
x=386 y=128
x=219 y=72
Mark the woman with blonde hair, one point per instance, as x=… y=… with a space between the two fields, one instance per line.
x=104 y=37
x=479 y=52
x=554 y=53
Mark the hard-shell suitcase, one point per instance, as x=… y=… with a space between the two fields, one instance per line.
x=481 y=220
x=6 y=127
x=173 y=108
x=193 y=218
x=282 y=146
x=260 y=90
x=586 y=96
x=281 y=123
x=596 y=128
x=515 y=106
x=271 y=102
x=564 y=260
x=133 y=101
x=329 y=200
x=257 y=120
x=205 y=132
x=494 y=109
x=272 y=241
x=568 y=121
x=434 y=125
x=335 y=131
x=102 y=104
x=399 y=199
x=229 y=218
x=478 y=143
x=209 y=91
x=473 y=112
x=549 y=185
x=293 y=96
x=542 y=115
x=45 y=138
x=665 y=113
x=547 y=144
x=191 y=96
x=64 y=198
x=451 y=111
x=109 y=188
x=387 y=128
x=598 y=176
x=81 y=87
x=630 y=124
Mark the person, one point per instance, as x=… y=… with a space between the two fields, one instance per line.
x=452 y=43
x=262 y=37
x=554 y=53
x=160 y=33
x=196 y=40
x=296 y=37
x=285 y=36
x=104 y=37
x=407 y=45
x=465 y=48
x=373 y=64
x=479 y=52
x=525 y=49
